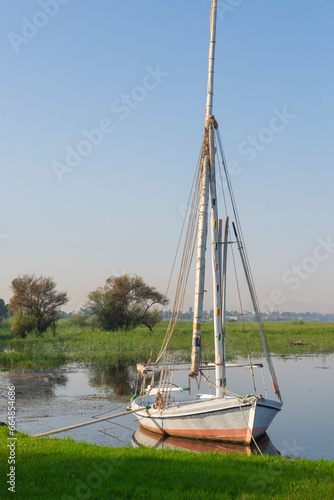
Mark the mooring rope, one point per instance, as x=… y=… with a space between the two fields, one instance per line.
x=186 y=260
x=250 y=430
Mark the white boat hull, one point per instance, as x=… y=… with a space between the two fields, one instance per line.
x=213 y=419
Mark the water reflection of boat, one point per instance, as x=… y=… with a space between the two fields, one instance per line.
x=143 y=437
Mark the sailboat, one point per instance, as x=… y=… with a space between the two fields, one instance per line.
x=221 y=415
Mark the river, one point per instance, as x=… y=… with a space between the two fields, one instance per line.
x=52 y=399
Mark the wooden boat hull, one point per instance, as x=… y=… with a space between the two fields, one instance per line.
x=214 y=420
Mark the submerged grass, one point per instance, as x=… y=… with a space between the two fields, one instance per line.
x=52 y=468
x=80 y=344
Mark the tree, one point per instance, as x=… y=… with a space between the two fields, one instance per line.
x=35 y=304
x=125 y=302
x=4 y=310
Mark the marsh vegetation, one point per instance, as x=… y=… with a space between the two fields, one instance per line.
x=79 y=343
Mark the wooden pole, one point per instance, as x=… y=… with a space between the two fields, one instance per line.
x=224 y=299
x=88 y=423
x=203 y=209
x=257 y=314
x=200 y=268
x=209 y=100
x=216 y=269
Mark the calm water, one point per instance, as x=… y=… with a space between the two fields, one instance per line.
x=54 y=399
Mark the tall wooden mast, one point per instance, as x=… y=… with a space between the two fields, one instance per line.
x=212 y=51
x=208 y=181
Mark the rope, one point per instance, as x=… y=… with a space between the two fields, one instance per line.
x=240 y=400
x=99 y=414
x=250 y=430
x=186 y=260
x=226 y=391
x=248 y=269
x=237 y=221
x=184 y=222
x=128 y=423
x=235 y=269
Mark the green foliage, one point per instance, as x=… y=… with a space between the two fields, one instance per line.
x=35 y=304
x=4 y=309
x=95 y=323
x=23 y=324
x=101 y=472
x=125 y=302
x=78 y=320
x=79 y=344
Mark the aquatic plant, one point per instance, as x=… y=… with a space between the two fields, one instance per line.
x=80 y=344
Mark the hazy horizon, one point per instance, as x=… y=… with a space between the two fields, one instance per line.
x=102 y=119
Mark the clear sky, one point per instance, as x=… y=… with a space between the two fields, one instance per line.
x=80 y=204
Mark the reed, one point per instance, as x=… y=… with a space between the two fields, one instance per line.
x=80 y=344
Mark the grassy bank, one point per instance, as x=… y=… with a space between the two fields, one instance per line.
x=79 y=344
x=51 y=468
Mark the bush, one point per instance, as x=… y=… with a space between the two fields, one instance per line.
x=78 y=320
x=95 y=323
x=22 y=325
x=298 y=322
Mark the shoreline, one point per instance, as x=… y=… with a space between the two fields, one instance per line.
x=72 y=344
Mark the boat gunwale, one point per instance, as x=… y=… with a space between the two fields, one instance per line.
x=275 y=406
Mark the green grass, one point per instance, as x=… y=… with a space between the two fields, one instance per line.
x=79 y=344
x=50 y=468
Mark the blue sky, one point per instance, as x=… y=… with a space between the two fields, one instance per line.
x=68 y=66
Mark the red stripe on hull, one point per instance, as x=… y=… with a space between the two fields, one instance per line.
x=232 y=435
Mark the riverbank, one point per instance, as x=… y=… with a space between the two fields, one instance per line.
x=80 y=344
x=52 y=468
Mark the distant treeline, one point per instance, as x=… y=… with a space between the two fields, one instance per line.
x=248 y=316
x=208 y=315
